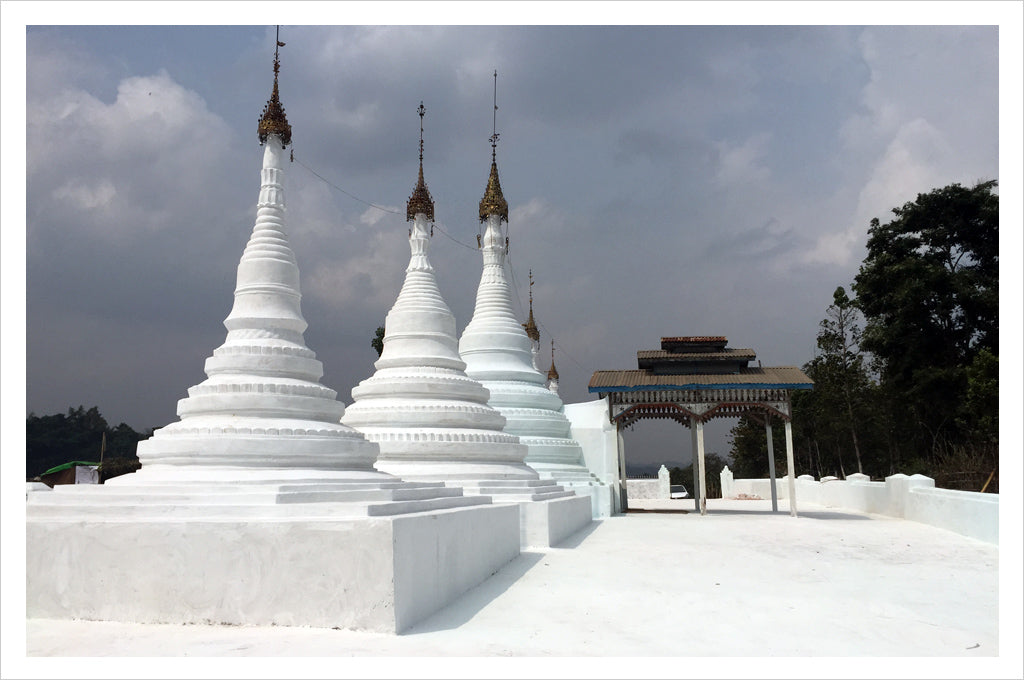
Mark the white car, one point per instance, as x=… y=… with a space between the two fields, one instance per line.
x=678 y=491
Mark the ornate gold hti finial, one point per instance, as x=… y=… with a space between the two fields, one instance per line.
x=493 y=202
x=553 y=372
x=531 y=325
x=273 y=120
x=420 y=201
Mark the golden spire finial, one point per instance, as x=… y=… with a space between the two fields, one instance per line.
x=531 y=325
x=493 y=202
x=553 y=372
x=420 y=201
x=273 y=120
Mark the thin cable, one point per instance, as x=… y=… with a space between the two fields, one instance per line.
x=464 y=245
x=561 y=347
x=335 y=186
x=515 y=285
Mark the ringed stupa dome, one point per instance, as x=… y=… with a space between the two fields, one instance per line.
x=429 y=418
x=500 y=352
x=262 y=412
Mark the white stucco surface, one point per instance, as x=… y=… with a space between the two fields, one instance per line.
x=915 y=498
x=502 y=356
x=738 y=583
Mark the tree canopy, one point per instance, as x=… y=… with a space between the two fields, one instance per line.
x=929 y=292
x=378 y=340
x=77 y=435
x=906 y=373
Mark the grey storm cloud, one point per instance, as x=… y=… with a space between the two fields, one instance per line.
x=663 y=180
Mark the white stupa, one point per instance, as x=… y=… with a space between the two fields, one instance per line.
x=501 y=353
x=258 y=506
x=431 y=420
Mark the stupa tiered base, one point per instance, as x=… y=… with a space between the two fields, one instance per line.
x=580 y=481
x=355 y=553
x=549 y=513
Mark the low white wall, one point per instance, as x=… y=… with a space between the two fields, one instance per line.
x=600 y=440
x=914 y=498
x=659 y=488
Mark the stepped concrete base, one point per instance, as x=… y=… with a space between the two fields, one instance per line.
x=549 y=513
x=547 y=523
x=322 y=564
x=578 y=479
x=600 y=495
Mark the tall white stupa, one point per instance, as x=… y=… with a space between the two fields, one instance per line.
x=258 y=506
x=500 y=353
x=431 y=420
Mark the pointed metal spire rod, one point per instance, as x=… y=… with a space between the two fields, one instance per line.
x=420 y=201
x=493 y=202
x=273 y=121
x=494 y=130
x=421 y=110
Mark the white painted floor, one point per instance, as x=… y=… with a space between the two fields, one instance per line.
x=738 y=584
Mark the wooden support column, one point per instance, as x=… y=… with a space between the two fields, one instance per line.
x=697 y=486
x=792 y=472
x=771 y=463
x=623 y=500
x=700 y=462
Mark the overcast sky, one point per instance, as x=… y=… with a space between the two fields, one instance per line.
x=662 y=180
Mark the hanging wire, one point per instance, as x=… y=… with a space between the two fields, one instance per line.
x=515 y=284
x=374 y=205
x=464 y=245
x=335 y=186
x=562 y=347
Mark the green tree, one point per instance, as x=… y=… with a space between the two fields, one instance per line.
x=713 y=466
x=378 y=340
x=839 y=373
x=749 y=448
x=77 y=435
x=929 y=290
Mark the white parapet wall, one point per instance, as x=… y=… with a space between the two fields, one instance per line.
x=660 y=488
x=909 y=497
x=600 y=441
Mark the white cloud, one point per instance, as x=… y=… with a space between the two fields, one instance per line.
x=742 y=163
x=157 y=149
x=86 y=196
x=927 y=116
x=367 y=271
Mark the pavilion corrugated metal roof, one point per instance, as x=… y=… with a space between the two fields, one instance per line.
x=694 y=338
x=664 y=355
x=756 y=377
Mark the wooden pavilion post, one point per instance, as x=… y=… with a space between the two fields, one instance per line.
x=623 y=494
x=792 y=472
x=700 y=463
x=771 y=462
x=697 y=486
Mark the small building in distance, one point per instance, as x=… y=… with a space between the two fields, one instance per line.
x=693 y=379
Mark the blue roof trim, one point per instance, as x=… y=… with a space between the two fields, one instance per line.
x=704 y=386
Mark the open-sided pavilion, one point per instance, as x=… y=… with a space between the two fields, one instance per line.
x=693 y=379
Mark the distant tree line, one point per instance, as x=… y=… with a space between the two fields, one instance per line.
x=906 y=372
x=78 y=435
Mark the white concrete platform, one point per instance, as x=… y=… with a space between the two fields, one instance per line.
x=328 y=564
x=723 y=592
